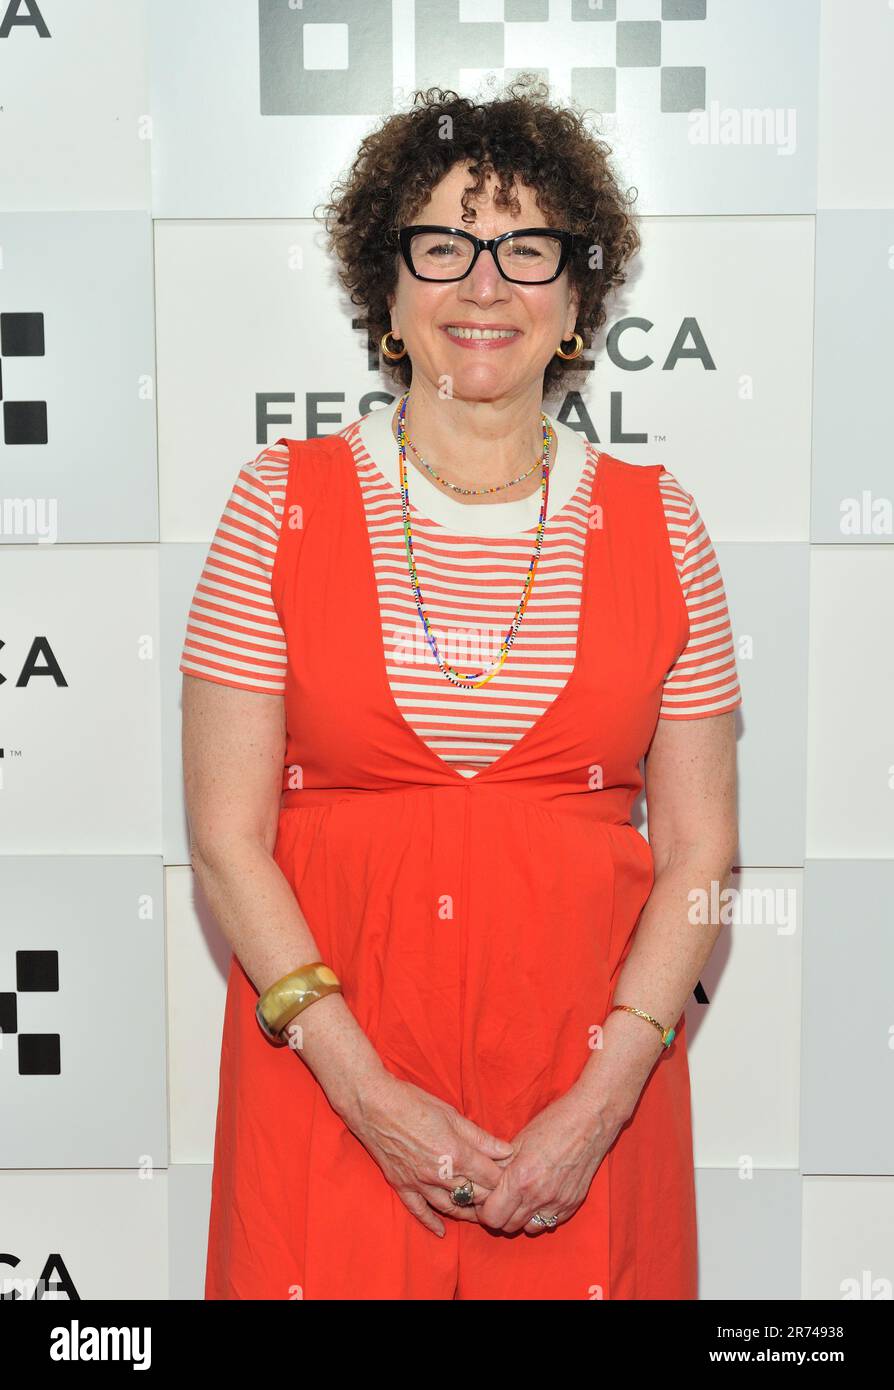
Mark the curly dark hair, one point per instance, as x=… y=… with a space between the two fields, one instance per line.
x=519 y=135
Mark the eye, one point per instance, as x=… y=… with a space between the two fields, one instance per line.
x=525 y=250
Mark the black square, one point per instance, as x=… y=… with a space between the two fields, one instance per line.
x=21 y=335
x=39 y=1054
x=8 y=1013
x=25 y=422
x=37 y=970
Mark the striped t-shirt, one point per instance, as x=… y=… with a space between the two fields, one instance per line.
x=471 y=561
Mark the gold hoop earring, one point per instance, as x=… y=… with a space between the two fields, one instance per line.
x=387 y=352
x=567 y=356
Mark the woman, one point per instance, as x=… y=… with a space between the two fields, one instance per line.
x=416 y=835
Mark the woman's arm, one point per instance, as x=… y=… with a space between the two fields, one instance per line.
x=232 y=763
x=691 y=789
x=690 y=778
x=233 y=743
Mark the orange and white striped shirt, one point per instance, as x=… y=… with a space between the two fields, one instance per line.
x=471 y=562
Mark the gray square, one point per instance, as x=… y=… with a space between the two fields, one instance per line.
x=638 y=43
x=526 y=12
x=288 y=88
x=684 y=9
x=582 y=10
x=682 y=89
x=445 y=44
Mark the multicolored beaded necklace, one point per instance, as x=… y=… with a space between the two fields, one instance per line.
x=471 y=680
x=472 y=491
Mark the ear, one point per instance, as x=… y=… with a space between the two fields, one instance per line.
x=573 y=310
x=395 y=330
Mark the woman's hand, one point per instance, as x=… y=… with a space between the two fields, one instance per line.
x=425 y=1148
x=555 y=1157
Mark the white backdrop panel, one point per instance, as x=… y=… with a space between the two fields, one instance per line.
x=850 y=770
x=848 y=1042
x=749 y=1233
x=78 y=372
x=256 y=105
x=75 y=84
x=745 y=1075
x=767 y=592
x=82 y=1079
x=109 y=1232
x=848 y=1238
x=82 y=766
x=853 y=410
x=710 y=375
x=189 y=1206
x=856 y=105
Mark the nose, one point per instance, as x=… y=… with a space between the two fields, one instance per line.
x=484 y=282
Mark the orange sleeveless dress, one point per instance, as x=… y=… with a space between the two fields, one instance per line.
x=478 y=925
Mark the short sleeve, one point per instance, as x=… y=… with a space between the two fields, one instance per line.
x=233 y=632
x=703 y=680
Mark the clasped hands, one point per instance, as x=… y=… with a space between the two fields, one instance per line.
x=425 y=1149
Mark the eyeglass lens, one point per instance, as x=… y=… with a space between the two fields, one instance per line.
x=440 y=256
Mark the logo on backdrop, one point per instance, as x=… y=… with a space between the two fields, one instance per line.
x=334 y=57
x=632 y=344
x=39 y=1054
x=21 y=335
x=39 y=660
x=13 y=16
x=54 y=1278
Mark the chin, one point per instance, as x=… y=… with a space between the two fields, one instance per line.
x=480 y=384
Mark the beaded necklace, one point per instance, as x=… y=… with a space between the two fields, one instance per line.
x=471 y=680
x=473 y=491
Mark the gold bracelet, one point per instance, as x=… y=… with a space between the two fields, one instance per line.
x=667 y=1034
x=285 y=999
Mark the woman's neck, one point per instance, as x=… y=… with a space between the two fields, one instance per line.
x=475 y=444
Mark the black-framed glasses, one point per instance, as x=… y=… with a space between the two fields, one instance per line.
x=529 y=256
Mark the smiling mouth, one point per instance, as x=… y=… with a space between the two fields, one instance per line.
x=480 y=334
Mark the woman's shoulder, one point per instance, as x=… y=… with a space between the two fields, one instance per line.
x=269 y=469
x=275 y=458
x=646 y=473
x=271 y=465
x=262 y=480
x=678 y=506
x=322 y=441
x=674 y=495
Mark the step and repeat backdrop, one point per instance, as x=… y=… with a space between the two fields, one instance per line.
x=167 y=308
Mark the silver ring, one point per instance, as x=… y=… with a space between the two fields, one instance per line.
x=548 y=1221
x=464 y=1195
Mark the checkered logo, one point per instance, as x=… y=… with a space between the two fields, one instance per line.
x=335 y=57
x=22 y=335
x=39 y=1054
